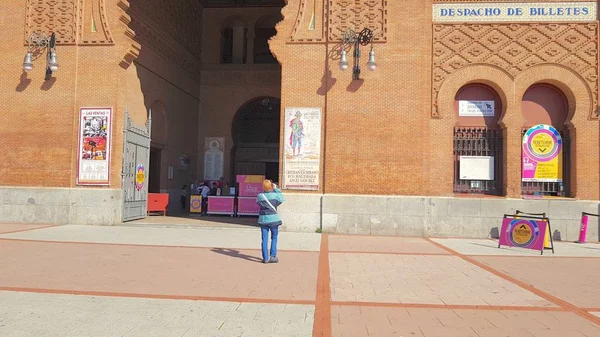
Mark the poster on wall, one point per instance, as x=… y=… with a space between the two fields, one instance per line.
x=184 y=162
x=476 y=168
x=214 y=148
x=302 y=149
x=542 y=154
x=476 y=108
x=94 y=146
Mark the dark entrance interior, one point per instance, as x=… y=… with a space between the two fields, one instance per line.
x=154 y=171
x=255 y=132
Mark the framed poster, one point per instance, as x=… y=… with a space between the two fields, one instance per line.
x=476 y=168
x=214 y=149
x=95 y=132
x=476 y=108
x=302 y=149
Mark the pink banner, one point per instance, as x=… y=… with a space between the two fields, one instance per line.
x=523 y=233
x=247 y=206
x=250 y=185
x=220 y=205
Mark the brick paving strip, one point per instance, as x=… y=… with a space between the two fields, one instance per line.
x=322 y=322
x=553 y=299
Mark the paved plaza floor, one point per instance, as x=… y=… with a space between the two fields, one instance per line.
x=135 y=281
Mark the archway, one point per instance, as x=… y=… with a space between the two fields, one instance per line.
x=546 y=104
x=255 y=131
x=478 y=143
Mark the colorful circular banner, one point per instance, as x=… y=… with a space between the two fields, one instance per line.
x=196 y=204
x=140 y=177
x=523 y=233
x=542 y=143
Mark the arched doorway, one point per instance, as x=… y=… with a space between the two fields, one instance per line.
x=255 y=131
x=156 y=174
x=546 y=104
x=478 y=143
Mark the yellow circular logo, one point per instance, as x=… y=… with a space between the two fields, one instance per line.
x=139 y=178
x=542 y=143
x=522 y=234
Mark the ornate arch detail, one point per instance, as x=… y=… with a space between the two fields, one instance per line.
x=93 y=23
x=495 y=78
x=575 y=88
x=257 y=121
x=515 y=47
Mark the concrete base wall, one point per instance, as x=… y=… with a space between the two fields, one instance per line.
x=428 y=216
x=82 y=206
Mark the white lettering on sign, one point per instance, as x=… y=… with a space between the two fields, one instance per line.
x=516 y=12
x=476 y=108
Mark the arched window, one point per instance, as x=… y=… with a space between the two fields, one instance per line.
x=478 y=143
x=546 y=104
x=264 y=30
x=227 y=45
x=234 y=42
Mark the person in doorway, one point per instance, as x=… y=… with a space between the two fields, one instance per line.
x=183 y=197
x=205 y=191
x=269 y=220
x=213 y=190
x=195 y=187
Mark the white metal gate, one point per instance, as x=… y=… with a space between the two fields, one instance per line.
x=136 y=157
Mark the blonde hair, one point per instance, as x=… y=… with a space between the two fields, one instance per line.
x=267 y=185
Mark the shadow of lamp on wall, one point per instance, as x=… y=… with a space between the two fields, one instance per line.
x=351 y=38
x=36 y=44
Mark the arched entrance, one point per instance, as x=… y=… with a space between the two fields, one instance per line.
x=478 y=144
x=546 y=104
x=255 y=131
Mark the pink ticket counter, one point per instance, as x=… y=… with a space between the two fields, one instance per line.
x=221 y=205
x=247 y=206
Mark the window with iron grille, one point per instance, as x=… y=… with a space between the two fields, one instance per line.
x=485 y=145
x=562 y=189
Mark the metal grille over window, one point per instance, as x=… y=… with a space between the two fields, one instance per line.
x=560 y=189
x=478 y=160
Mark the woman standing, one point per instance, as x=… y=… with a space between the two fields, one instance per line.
x=269 y=220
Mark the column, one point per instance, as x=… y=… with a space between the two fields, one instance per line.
x=238 y=44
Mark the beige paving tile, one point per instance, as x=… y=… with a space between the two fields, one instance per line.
x=574 y=280
x=379 y=244
x=421 y=279
x=51 y=315
x=193 y=237
x=490 y=247
x=169 y=271
x=377 y=321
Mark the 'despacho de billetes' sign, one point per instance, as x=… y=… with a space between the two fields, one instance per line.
x=523 y=233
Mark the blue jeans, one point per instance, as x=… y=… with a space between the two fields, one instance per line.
x=264 y=230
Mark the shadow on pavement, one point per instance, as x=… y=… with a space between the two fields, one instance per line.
x=236 y=254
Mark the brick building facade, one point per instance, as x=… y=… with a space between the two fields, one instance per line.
x=390 y=141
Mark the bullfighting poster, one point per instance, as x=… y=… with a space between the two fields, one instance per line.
x=94 y=146
x=302 y=149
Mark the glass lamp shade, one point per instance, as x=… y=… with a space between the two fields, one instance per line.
x=343 y=61
x=52 y=64
x=371 y=64
x=28 y=62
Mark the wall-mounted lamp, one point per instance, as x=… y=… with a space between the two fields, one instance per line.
x=37 y=42
x=365 y=37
